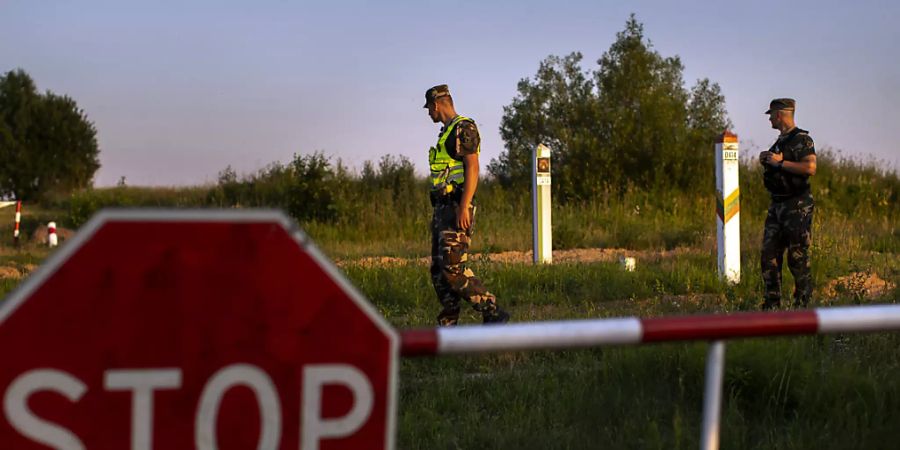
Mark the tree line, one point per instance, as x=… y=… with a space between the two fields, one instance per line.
x=629 y=121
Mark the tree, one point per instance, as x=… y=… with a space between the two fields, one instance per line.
x=47 y=144
x=629 y=121
x=558 y=109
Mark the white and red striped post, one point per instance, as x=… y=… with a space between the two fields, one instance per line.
x=52 y=239
x=634 y=331
x=18 y=219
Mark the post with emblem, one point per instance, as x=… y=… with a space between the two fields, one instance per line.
x=540 y=193
x=728 y=206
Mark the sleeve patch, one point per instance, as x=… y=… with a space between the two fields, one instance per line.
x=468 y=138
x=804 y=146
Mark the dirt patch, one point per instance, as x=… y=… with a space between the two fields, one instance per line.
x=668 y=304
x=15 y=273
x=381 y=261
x=9 y=273
x=861 y=285
x=586 y=255
x=576 y=255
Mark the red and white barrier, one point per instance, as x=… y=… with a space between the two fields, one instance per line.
x=633 y=330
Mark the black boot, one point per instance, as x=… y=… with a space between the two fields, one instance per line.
x=801 y=302
x=771 y=303
x=496 y=316
x=449 y=317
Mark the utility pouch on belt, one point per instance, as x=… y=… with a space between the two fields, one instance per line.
x=447 y=194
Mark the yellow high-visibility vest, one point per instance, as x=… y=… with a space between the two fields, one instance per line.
x=446 y=171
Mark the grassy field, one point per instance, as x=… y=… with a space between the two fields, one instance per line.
x=817 y=392
x=825 y=392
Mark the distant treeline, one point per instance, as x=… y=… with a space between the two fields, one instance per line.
x=311 y=188
x=629 y=120
x=316 y=189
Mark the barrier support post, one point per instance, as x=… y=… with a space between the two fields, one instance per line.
x=712 y=396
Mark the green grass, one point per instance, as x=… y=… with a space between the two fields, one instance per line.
x=807 y=392
x=779 y=393
x=810 y=392
x=569 y=289
x=822 y=392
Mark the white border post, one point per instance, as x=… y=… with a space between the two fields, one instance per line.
x=728 y=207
x=540 y=194
x=712 y=396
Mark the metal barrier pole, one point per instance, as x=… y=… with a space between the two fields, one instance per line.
x=634 y=331
x=712 y=396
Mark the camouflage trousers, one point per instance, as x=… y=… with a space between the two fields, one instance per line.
x=452 y=280
x=788 y=227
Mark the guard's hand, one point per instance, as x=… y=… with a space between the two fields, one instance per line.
x=463 y=217
x=775 y=159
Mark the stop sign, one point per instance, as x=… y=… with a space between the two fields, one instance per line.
x=193 y=329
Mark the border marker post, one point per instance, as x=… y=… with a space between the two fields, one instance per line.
x=540 y=193
x=728 y=207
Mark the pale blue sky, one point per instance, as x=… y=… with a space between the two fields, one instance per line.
x=181 y=89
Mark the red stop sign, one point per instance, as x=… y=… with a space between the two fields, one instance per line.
x=175 y=330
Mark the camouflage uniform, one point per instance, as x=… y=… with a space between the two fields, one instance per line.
x=789 y=221
x=452 y=279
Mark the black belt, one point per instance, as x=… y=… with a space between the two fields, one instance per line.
x=780 y=198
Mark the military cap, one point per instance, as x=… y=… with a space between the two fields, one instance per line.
x=781 y=104
x=435 y=93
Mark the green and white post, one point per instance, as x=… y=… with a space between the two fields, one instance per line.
x=728 y=207
x=540 y=193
